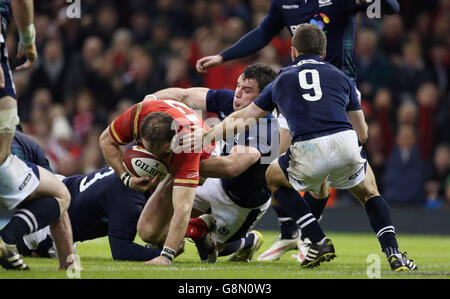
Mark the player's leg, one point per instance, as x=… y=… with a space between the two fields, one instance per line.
x=380 y=220
x=8 y=122
x=294 y=205
x=289 y=231
x=153 y=224
x=46 y=199
x=52 y=188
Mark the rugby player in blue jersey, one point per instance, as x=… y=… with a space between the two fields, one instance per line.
x=337 y=20
x=40 y=201
x=328 y=127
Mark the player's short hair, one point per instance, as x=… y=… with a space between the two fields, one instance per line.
x=309 y=39
x=262 y=73
x=156 y=128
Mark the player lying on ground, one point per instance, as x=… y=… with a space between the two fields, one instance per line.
x=337 y=19
x=328 y=126
x=38 y=198
x=101 y=206
x=235 y=191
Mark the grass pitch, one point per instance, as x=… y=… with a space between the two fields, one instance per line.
x=430 y=253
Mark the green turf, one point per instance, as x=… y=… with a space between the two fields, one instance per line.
x=430 y=253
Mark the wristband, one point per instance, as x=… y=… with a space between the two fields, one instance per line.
x=28 y=36
x=126 y=178
x=168 y=253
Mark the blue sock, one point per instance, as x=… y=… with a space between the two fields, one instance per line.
x=30 y=217
x=288 y=227
x=295 y=206
x=381 y=222
x=232 y=247
x=242 y=243
x=316 y=205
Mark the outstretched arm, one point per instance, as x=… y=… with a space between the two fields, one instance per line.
x=23 y=13
x=194 y=97
x=250 y=43
x=230 y=166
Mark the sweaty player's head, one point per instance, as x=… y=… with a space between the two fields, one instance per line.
x=250 y=83
x=309 y=39
x=157 y=133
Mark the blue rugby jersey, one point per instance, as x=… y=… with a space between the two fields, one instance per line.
x=28 y=150
x=249 y=189
x=335 y=17
x=102 y=205
x=313 y=95
x=5 y=9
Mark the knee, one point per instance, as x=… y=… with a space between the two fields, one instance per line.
x=8 y=103
x=148 y=234
x=64 y=199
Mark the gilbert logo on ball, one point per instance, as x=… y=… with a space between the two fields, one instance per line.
x=141 y=163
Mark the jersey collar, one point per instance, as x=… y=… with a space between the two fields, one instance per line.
x=308 y=57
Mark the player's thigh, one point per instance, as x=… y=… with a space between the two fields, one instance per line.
x=50 y=185
x=157 y=213
x=367 y=188
x=276 y=175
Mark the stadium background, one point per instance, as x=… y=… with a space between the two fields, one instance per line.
x=92 y=68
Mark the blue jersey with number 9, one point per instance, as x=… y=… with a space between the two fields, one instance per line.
x=313 y=95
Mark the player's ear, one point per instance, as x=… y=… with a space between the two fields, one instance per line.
x=294 y=53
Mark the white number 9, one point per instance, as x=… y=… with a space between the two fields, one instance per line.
x=315 y=85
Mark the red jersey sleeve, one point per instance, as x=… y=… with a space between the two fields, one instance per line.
x=186 y=169
x=124 y=129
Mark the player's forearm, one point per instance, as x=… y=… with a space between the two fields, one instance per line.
x=174 y=93
x=111 y=152
x=23 y=12
x=238 y=161
x=250 y=43
x=194 y=97
x=182 y=198
x=237 y=122
x=126 y=250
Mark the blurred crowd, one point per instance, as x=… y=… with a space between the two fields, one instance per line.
x=92 y=68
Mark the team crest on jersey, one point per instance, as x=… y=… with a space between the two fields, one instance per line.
x=323 y=3
x=320 y=20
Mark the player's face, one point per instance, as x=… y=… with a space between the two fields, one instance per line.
x=159 y=151
x=246 y=91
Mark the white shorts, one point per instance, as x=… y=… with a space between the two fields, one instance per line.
x=18 y=179
x=233 y=221
x=336 y=158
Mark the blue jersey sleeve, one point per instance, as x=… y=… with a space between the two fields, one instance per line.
x=264 y=99
x=258 y=38
x=220 y=101
x=126 y=250
x=354 y=103
x=28 y=150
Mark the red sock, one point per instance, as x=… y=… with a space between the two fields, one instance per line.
x=196 y=229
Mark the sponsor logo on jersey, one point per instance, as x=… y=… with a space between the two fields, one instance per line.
x=25 y=182
x=323 y=3
x=356 y=174
x=293 y=6
x=321 y=20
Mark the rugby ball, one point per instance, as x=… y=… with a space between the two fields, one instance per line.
x=141 y=163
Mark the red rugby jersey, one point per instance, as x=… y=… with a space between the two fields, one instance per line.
x=185 y=166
